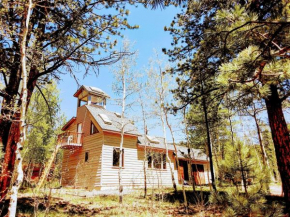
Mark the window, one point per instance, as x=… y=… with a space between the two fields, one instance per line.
x=149 y=160
x=81 y=103
x=164 y=161
x=93 y=129
x=116 y=157
x=197 y=168
x=156 y=160
x=105 y=119
x=86 y=156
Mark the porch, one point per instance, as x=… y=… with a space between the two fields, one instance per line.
x=70 y=140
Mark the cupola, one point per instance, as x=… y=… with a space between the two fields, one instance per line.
x=91 y=96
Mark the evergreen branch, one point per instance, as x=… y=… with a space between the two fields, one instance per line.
x=256 y=22
x=48 y=106
x=256 y=76
x=195 y=98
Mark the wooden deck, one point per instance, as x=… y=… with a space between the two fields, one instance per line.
x=69 y=140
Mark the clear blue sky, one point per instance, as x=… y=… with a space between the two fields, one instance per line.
x=149 y=36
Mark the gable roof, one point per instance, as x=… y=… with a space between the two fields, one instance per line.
x=97 y=112
x=91 y=90
x=68 y=123
x=182 y=151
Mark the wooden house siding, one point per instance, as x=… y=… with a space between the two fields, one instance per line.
x=77 y=172
x=133 y=172
x=69 y=161
x=98 y=172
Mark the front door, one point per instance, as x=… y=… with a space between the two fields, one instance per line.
x=183 y=171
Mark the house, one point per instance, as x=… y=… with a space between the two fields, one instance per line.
x=91 y=142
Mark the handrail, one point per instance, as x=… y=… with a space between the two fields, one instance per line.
x=70 y=137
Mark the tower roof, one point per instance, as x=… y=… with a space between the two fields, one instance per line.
x=92 y=91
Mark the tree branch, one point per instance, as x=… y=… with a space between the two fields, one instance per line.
x=49 y=109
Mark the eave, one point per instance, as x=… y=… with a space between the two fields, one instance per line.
x=68 y=123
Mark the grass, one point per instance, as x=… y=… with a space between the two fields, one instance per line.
x=134 y=204
x=164 y=202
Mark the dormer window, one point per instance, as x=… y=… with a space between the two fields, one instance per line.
x=94 y=129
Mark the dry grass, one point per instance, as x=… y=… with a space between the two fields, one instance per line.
x=69 y=204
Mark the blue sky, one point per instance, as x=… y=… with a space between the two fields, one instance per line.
x=149 y=36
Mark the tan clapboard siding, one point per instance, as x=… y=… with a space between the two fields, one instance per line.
x=85 y=117
x=114 y=139
x=133 y=173
x=75 y=171
x=72 y=127
x=88 y=174
x=99 y=172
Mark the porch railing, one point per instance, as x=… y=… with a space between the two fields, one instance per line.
x=70 y=140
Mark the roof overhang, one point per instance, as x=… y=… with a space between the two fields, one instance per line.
x=77 y=93
x=153 y=148
x=68 y=123
x=92 y=91
x=119 y=133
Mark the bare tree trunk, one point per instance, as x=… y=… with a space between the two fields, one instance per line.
x=47 y=167
x=167 y=155
x=145 y=149
x=122 y=140
x=162 y=115
x=18 y=160
x=177 y=161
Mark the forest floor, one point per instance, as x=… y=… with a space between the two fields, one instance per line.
x=72 y=202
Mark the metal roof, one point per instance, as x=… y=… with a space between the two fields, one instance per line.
x=116 y=121
x=182 y=151
x=91 y=90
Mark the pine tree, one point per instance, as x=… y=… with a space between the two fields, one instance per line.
x=61 y=35
x=44 y=121
x=250 y=38
x=260 y=66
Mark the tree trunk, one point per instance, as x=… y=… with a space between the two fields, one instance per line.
x=242 y=169
x=22 y=127
x=17 y=183
x=208 y=143
x=281 y=139
x=145 y=149
x=189 y=166
x=167 y=155
x=177 y=161
x=10 y=136
x=264 y=155
x=47 y=167
x=122 y=138
x=9 y=158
